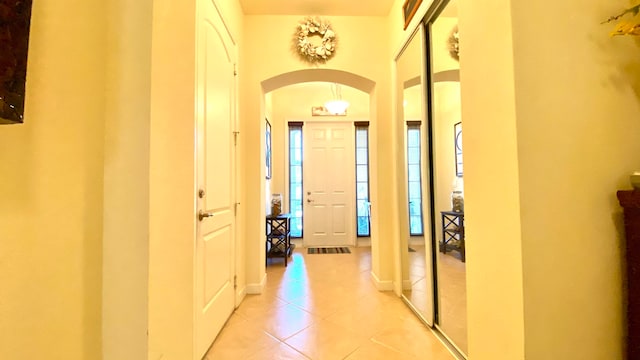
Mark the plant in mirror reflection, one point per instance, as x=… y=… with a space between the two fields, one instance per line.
x=629 y=25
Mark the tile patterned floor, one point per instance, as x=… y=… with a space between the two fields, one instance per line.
x=324 y=307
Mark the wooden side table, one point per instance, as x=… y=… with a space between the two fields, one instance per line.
x=630 y=202
x=278 y=234
x=453 y=231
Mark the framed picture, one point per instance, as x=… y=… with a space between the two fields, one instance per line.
x=409 y=9
x=267 y=150
x=457 y=140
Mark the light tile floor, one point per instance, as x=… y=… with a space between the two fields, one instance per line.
x=325 y=307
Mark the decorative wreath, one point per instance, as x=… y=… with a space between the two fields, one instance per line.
x=312 y=51
x=454 y=44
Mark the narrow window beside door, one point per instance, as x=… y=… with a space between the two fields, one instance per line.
x=362 y=179
x=295 y=178
x=415 y=179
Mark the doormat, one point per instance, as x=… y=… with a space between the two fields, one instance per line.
x=332 y=250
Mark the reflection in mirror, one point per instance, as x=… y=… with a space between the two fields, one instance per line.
x=417 y=278
x=448 y=186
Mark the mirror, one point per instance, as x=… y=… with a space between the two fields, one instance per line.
x=415 y=252
x=432 y=242
x=448 y=188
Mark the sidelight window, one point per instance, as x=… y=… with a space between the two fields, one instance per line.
x=295 y=178
x=415 y=179
x=363 y=211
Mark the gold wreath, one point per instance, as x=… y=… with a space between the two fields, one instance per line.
x=310 y=51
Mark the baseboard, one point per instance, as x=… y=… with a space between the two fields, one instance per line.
x=363 y=242
x=381 y=285
x=406 y=285
x=299 y=243
x=257 y=288
x=240 y=295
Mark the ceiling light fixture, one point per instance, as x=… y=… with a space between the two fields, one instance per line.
x=336 y=106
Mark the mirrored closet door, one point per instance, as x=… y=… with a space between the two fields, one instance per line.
x=415 y=252
x=429 y=130
x=447 y=167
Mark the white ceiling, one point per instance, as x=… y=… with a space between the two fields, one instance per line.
x=317 y=7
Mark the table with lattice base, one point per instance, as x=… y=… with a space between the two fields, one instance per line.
x=453 y=233
x=278 y=233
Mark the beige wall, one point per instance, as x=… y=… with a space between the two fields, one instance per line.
x=126 y=185
x=550 y=135
x=172 y=190
x=587 y=98
x=51 y=190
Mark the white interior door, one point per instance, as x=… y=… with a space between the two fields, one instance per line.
x=328 y=182
x=215 y=241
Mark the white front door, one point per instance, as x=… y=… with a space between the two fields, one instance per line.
x=328 y=182
x=215 y=240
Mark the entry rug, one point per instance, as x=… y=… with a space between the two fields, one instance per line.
x=331 y=250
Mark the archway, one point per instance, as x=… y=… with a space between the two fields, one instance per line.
x=346 y=78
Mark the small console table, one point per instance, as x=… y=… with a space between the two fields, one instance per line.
x=278 y=231
x=453 y=231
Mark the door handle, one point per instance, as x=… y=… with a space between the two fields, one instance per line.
x=309 y=200
x=204 y=214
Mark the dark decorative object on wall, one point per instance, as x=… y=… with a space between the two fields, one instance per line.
x=409 y=9
x=15 y=18
x=457 y=140
x=267 y=150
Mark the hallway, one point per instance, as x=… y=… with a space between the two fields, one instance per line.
x=324 y=307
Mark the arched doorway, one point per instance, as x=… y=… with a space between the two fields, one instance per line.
x=255 y=252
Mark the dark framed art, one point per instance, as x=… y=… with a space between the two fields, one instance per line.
x=409 y=9
x=457 y=140
x=15 y=20
x=267 y=149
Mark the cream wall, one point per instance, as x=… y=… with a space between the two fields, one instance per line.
x=172 y=189
x=51 y=190
x=354 y=55
x=593 y=110
x=550 y=135
x=126 y=186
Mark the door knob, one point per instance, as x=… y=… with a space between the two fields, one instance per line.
x=203 y=214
